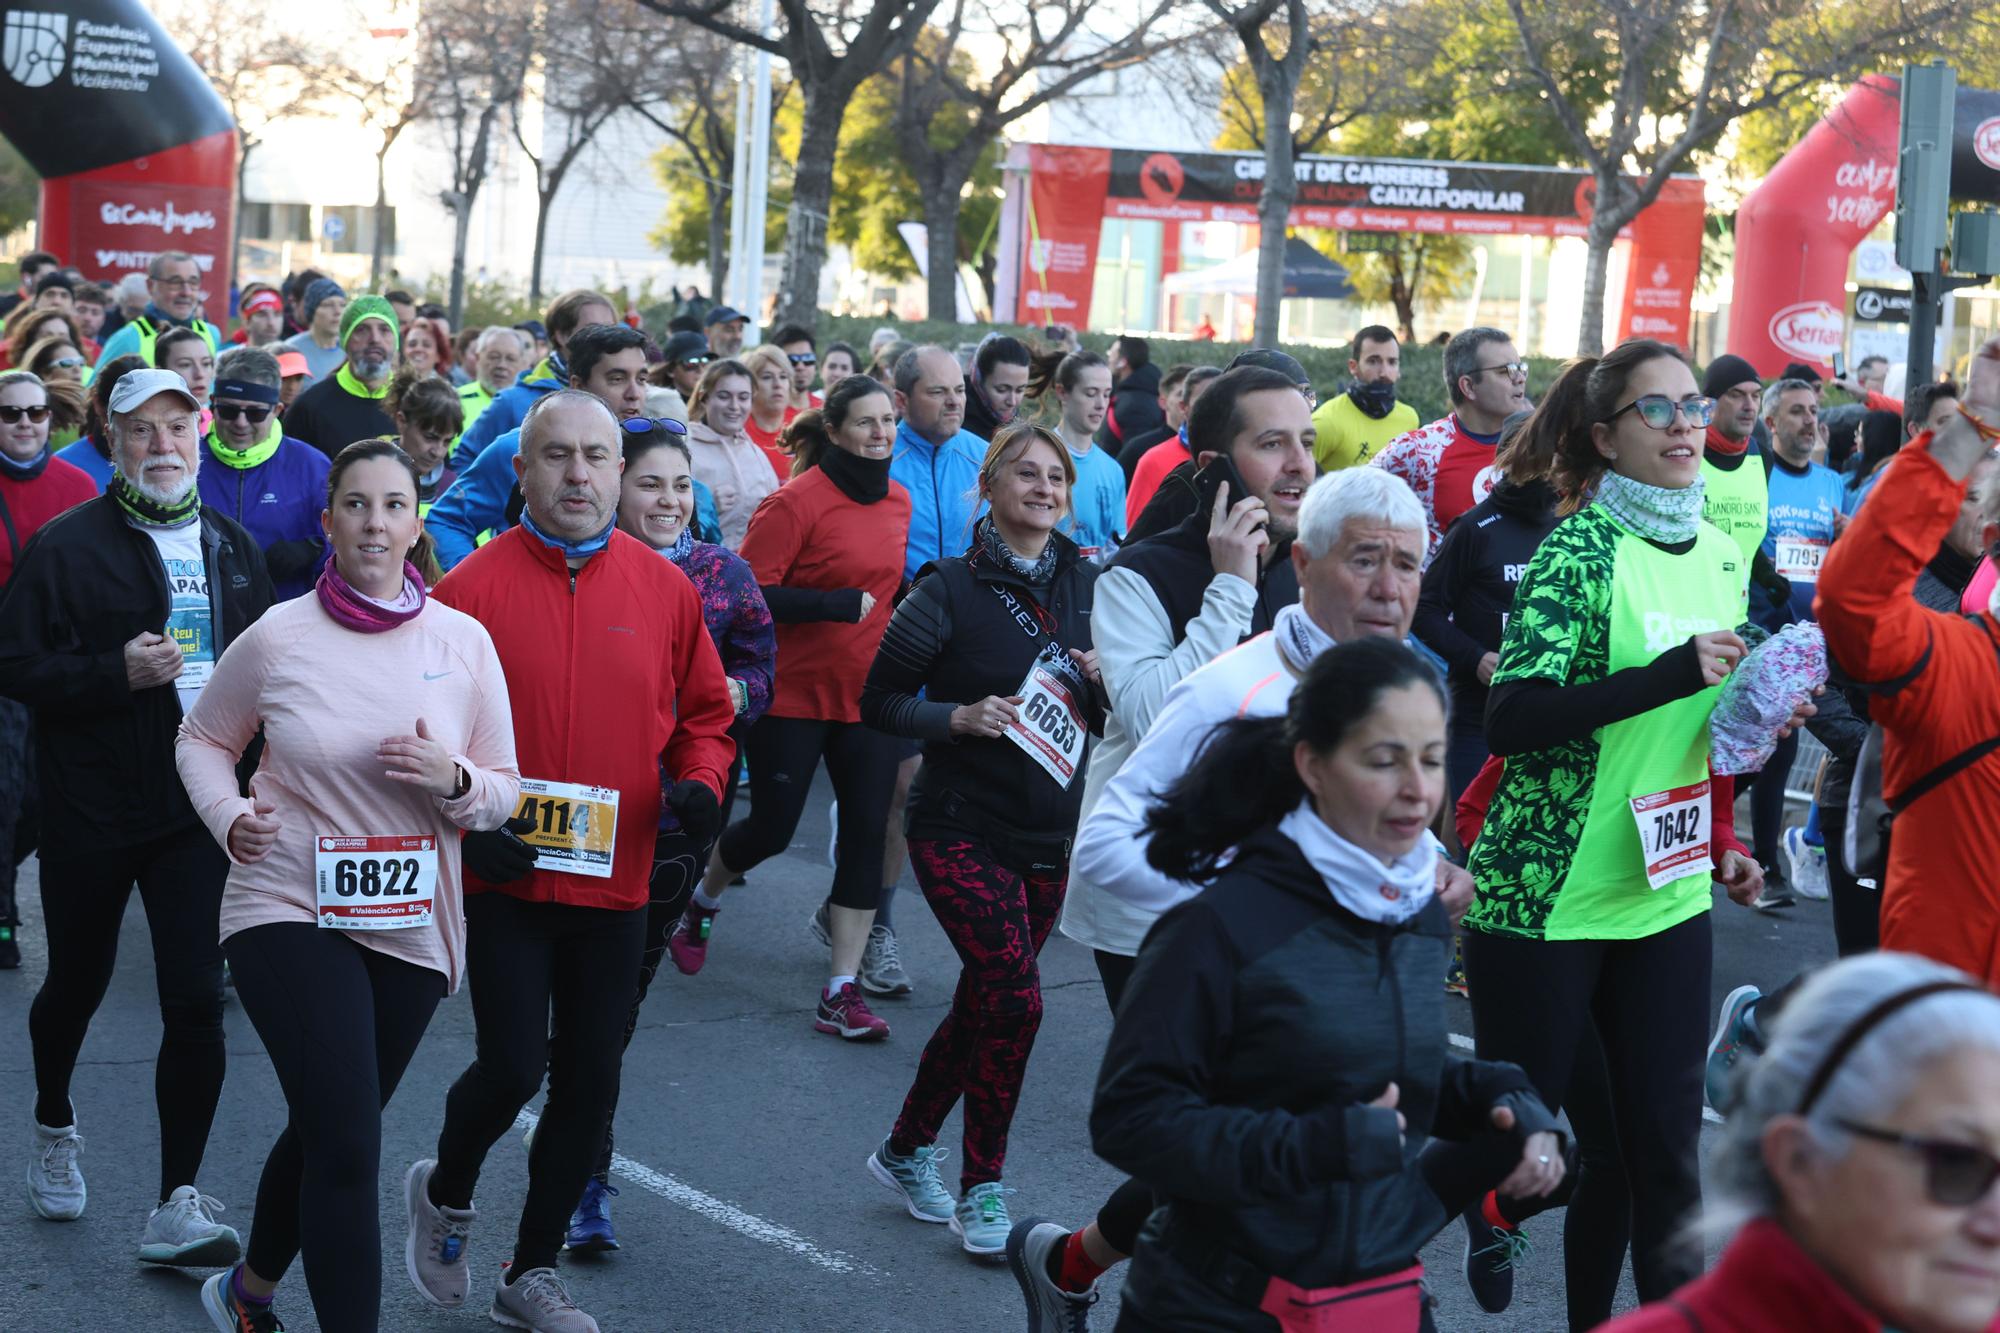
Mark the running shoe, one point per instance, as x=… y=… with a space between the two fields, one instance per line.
x=230 y=1315
x=10 y=947
x=1454 y=972
x=916 y=1179
x=1777 y=894
x=55 y=1184
x=817 y=923
x=434 y=1252
x=980 y=1221
x=1808 y=865
x=537 y=1300
x=687 y=942
x=183 y=1232
x=1733 y=1031
x=1492 y=1254
x=848 y=1016
x=882 y=964
x=590 y=1225
x=1050 y=1308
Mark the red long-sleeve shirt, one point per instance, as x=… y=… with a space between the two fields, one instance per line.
x=26 y=505
x=1941 y=898
x=611 y=674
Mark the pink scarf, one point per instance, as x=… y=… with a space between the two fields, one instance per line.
x=357 y=611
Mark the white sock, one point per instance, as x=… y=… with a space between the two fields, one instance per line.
x=704 y=902
x=833 y=986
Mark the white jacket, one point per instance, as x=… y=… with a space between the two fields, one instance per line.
x=736 y=472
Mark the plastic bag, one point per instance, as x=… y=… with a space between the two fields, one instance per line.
x=1760 y=696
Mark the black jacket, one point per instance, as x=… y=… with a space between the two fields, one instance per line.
x=1260 y=1020
x=1182 y=493
x=1178 y=567
x=86 y=584
x=329 y=418
x=1135 y=408
x=979 y=418
x=967 y=629
x=1469 y=588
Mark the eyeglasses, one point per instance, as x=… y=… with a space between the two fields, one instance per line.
x=1956 y=1175
x=701 y=360
x=647 y=425
x=1657 y=410
x=802 y=358
x=179 y=284
x=1512 y=368
x=254 y=413
x=13 y=415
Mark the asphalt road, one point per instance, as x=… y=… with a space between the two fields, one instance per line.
x=744 y=1203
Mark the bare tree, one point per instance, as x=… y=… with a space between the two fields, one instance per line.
x=830 y=54
x=1683 y=71
x=383 y=93
x=948 y=114
x=473 y=58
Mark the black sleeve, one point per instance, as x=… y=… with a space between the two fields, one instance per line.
x=1836 y=725
x=918 y=634
x=796 y=606
x=1473 y=1089
x=1154 y=1116
x=292 y=559
x=41 y=662
x=1444 y=583
x=1534 y=714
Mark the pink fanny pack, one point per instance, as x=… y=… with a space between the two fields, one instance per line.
x=1392 y=1303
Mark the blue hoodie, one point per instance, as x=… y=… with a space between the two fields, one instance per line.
x=943 y=482
x=477 y=501
x=506 y=412
x=279 y=500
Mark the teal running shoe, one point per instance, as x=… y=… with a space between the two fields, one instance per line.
x=980 y=1220
x=915 y=1178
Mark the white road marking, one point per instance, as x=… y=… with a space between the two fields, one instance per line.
x=721 y=1212
x=1464 y=1043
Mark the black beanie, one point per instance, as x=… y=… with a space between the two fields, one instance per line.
x=1725 y=373
x=1799 y=370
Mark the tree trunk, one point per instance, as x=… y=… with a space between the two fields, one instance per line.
x=1603 y=234
x=718 y=239
x=380 y=252
x=461 y=232
x=1274 y=203
x=812 y=196
x=543 y=199
x=941 y=226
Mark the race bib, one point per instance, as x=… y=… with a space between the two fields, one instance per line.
x=1798 y=558
x=575 y=828
x=375 y=883
x=1048 y=725
x=1673 y=832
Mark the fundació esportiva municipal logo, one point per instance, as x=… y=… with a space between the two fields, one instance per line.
x=35 y=46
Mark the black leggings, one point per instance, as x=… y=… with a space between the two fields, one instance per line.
x=18 y=802
x=1767 y=801
x=340 y=1021
x=552 y=989
x=1126 y=1211
x=1857 y=911
x=84 y=891
x=784 y=752
x=1534 y=1003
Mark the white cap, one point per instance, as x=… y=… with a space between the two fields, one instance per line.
x=137 y=386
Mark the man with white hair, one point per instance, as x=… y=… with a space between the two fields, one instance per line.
x=116 y=615
x=497 y=358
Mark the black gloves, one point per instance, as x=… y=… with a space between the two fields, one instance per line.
x=695 y=806
x=499 y=856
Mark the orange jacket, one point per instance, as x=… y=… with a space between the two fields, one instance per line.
x=1942 y=895
x=611 y=674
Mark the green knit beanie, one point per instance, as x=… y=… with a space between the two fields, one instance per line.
x=369 y=307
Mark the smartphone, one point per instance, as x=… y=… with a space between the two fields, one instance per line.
x=1220 y=469
x=1839 y=366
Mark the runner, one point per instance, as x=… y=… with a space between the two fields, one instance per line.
x=1278 y=1069
x=611 y=729
x=735 y=469
x=1006 y=629
x=347 y=405
x=771 y=408
x=995 y=384
x=1156 y=463
x=275 y=486
x=1178 y=496
x=573 y=310
x=1080 y=384
x=796 y=342
x=1622 y=633
x=429 y=414
x=1173 y=413
x=34 y=488
x=173 y=291
x=656 y=505
x=1353 y=424
x=825 y=553
x=109 y=629
x=91 y=454
x=386 y=729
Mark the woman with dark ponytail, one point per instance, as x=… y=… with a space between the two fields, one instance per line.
x=1280 y=1054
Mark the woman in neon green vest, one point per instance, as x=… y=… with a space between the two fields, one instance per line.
x=1595 y=865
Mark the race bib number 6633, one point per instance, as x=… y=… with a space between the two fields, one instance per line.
x=1048 y=725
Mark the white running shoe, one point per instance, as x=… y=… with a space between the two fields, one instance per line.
x=183 y=1232
x=538 y=1301
x=434 y=1249
x=1808 y=865
x=55 y=1184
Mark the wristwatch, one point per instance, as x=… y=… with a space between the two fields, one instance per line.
x=464 y=783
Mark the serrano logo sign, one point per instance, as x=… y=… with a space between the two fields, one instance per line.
x=1810 y=330
x=167 y=218
x=1985 y=141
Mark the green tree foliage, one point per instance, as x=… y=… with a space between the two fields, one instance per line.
x=20 y=189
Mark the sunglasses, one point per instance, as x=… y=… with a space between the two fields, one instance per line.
x=255 y=413
x=701 y=360
x=1956 y=1175
x=13 y=415
x=1657 y=410
x=1510 y=367
x=647 y=425
x=66 y=363
x=802 y=358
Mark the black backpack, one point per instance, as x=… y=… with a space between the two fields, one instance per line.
x=1869 y=816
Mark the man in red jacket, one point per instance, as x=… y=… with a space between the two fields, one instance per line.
x=1934 y=684
x=620 y=710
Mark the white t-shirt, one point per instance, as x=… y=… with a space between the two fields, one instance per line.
x=191 y=621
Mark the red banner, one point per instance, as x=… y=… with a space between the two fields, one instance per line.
x=112 y=221
x=1065 y=216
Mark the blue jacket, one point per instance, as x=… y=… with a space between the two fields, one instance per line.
x=83 y=454
x=506 y=412
x=279 y=500
x=943 y=482
x=128 y=342
x=477 y=501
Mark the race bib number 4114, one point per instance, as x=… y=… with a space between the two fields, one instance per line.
x=575 y=827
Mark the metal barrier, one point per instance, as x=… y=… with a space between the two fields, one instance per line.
x=1805 y=769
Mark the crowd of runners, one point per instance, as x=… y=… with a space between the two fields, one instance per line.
x=384 y=659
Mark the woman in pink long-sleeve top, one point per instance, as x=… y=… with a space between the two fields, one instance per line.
x=386 y=730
